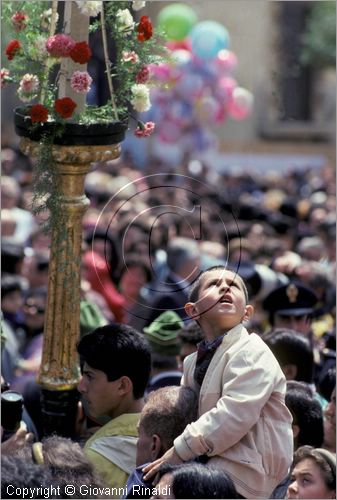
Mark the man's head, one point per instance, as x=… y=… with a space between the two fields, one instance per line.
x=293 y=352
x=115 y=362
x=218 y=300
x=183 y=258
x=34 y=308
x=307 y=414
x=164 y=417
x=12 y=286
x=291 y=306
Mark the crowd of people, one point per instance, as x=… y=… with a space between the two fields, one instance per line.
x=207 y=335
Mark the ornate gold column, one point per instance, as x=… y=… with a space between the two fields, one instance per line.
x=59 y=371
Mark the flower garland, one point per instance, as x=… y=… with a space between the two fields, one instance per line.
x=36 y=55
x=37 y=49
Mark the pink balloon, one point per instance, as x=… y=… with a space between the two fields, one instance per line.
x=160 y=71
x=226 y=60
x=241 y=104
x=170 y=132
x=225 y=88
x=221 y=114
x=181 y=44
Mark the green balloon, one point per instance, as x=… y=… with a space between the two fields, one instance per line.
x=177 y=20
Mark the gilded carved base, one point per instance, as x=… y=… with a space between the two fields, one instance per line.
x=59 y=369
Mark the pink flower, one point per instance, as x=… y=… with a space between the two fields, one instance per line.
x=130 y=56
x=29 y=83
x=144 y=129
x=60 y=45
x=143 y=75
x=19 y=20
x=81 y=81
x=4 y=77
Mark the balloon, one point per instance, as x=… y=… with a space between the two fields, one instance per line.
x=180 y=111
x=208 y=38
x=170 y=131
x=181 y=44
x=207 y=110
x=225 y=88
x=181 y=56
x=160 y=71
x=177 y=20
x=226 y=60
x=189 y=86
x=241 y=104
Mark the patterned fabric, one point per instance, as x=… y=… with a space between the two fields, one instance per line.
x=205 y=353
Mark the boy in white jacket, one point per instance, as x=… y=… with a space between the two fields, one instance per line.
x=244 y=426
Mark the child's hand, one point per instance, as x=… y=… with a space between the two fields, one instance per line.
x=170 y=457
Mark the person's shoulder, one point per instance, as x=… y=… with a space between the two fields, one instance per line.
x=256 y=343
x=252 y=346
x=124 y=424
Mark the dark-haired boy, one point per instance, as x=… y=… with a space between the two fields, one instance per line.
x=244 y=426
x=116 y=363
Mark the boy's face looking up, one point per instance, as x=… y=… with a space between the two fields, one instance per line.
x=221 y=302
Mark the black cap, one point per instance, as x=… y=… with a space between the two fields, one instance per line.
x=293 y=299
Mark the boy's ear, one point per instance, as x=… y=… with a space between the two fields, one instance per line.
x=192 y=310
x=125 y=385
x=249 y=311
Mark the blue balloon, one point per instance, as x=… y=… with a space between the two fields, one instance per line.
x=208 y=38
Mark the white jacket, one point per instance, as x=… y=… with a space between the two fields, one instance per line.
x=244 y=425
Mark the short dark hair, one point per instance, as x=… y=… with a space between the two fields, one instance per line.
x=291 y=347
x=196 y=480
x=307 y=413
x=191 y=334
x=167 y=412
x=11 y=283
x=118 y=350
x=195 y=288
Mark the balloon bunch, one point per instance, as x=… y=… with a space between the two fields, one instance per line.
x=197 y=89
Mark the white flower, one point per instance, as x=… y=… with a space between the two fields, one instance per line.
x=89 y=8
x=46 y=17
x=138 y=4
x=141 y=97
x=124 y=20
